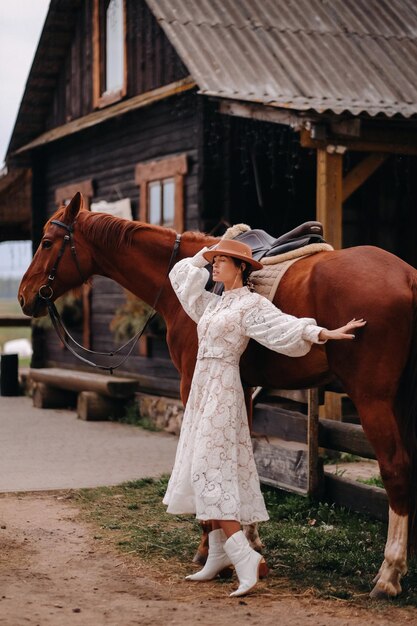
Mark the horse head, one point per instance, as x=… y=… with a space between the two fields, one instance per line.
x=61 y=262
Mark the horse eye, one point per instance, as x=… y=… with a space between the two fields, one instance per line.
x=46 y=244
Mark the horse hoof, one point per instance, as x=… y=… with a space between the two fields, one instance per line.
x=383 y=591
x=378 y=594
x=199 y=558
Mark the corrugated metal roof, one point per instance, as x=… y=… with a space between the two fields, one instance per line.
x=339 y=55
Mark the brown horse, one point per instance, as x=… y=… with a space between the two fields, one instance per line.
x=378 y=370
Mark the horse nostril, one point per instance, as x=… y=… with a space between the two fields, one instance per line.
x=21 y=301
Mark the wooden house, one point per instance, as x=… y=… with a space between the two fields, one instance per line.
x=197 y=114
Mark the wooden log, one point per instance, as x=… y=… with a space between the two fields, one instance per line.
x=278 y=422
x=345 y=438
x=282 y=464
x=74 y=380
x=47 y=397
x=92 y=406
x=292 y=426
x=357 y=496
x=162 y=385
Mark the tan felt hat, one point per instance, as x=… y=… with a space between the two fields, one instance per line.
x=236 y=249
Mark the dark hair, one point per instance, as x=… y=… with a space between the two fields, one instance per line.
x=246 y=272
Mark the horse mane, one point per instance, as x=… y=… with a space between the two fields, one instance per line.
x=198 y=237
x=117 y=232
x=113 y=231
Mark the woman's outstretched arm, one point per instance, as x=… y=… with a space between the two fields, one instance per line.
x=344 y=332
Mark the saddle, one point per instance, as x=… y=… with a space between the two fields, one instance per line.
x=264 y=245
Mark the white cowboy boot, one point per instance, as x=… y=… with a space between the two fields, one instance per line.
x=245 y=560
x=217 y=559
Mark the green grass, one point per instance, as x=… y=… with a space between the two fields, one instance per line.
x=133 y=417
x=374 y=481
x=312 y=545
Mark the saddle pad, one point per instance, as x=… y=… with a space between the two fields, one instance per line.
x=266 y=280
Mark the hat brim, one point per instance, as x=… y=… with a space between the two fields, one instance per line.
x=210 y=254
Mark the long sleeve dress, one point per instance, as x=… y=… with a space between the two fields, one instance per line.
x=214 y=474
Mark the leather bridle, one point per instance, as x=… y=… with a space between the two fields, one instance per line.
x=46 y=292
x=68 y=238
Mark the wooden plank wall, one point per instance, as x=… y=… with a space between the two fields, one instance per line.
x=109 y=152
x=108 y=155
x=255 y=172
x=152 y=62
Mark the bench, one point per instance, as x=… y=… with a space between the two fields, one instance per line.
x=96 y=396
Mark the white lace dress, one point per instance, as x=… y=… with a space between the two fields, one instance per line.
x=214 y=474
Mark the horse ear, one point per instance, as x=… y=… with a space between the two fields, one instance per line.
x=73 y=208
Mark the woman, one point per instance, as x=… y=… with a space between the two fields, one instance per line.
x=214 y=474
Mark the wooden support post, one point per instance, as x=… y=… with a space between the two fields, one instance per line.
x=313 y=442
x=92 y=406
x=47 y=397
x=329 y=195
x=332 y=408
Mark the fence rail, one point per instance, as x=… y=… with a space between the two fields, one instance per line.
x=10 y=321
x=286 y=445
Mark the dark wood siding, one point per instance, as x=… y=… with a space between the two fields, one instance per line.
x=108 y=154
x=254 y=172
x=382 y=211
x=151 y=62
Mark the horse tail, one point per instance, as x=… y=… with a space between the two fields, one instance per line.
x=406 y=412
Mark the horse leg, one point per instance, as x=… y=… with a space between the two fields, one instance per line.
x=201 y=555
x=394 y=566
x=380 y=426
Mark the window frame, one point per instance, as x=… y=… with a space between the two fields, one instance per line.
x=175 y=167
x=161 y=182
x=101 y=99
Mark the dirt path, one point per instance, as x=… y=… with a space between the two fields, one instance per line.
x=53 y=573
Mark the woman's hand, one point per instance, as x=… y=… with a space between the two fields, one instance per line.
x=344 y=332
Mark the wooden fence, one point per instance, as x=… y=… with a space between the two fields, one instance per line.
x=14 y=321
x=286 y=447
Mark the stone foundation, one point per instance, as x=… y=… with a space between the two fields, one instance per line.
x=165 y=413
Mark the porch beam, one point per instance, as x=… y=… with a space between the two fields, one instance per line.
x=401 y=144
x=263 y=113
x=361 y=172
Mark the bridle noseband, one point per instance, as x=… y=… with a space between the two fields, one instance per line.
x=45 y=293
x=68 y=238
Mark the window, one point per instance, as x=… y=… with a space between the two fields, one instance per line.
x=162 y=191
x=109 y=51
x=161 y=202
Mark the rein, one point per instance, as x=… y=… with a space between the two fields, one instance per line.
x=46 y=292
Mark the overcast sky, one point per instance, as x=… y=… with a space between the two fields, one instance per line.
x=21 y=23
